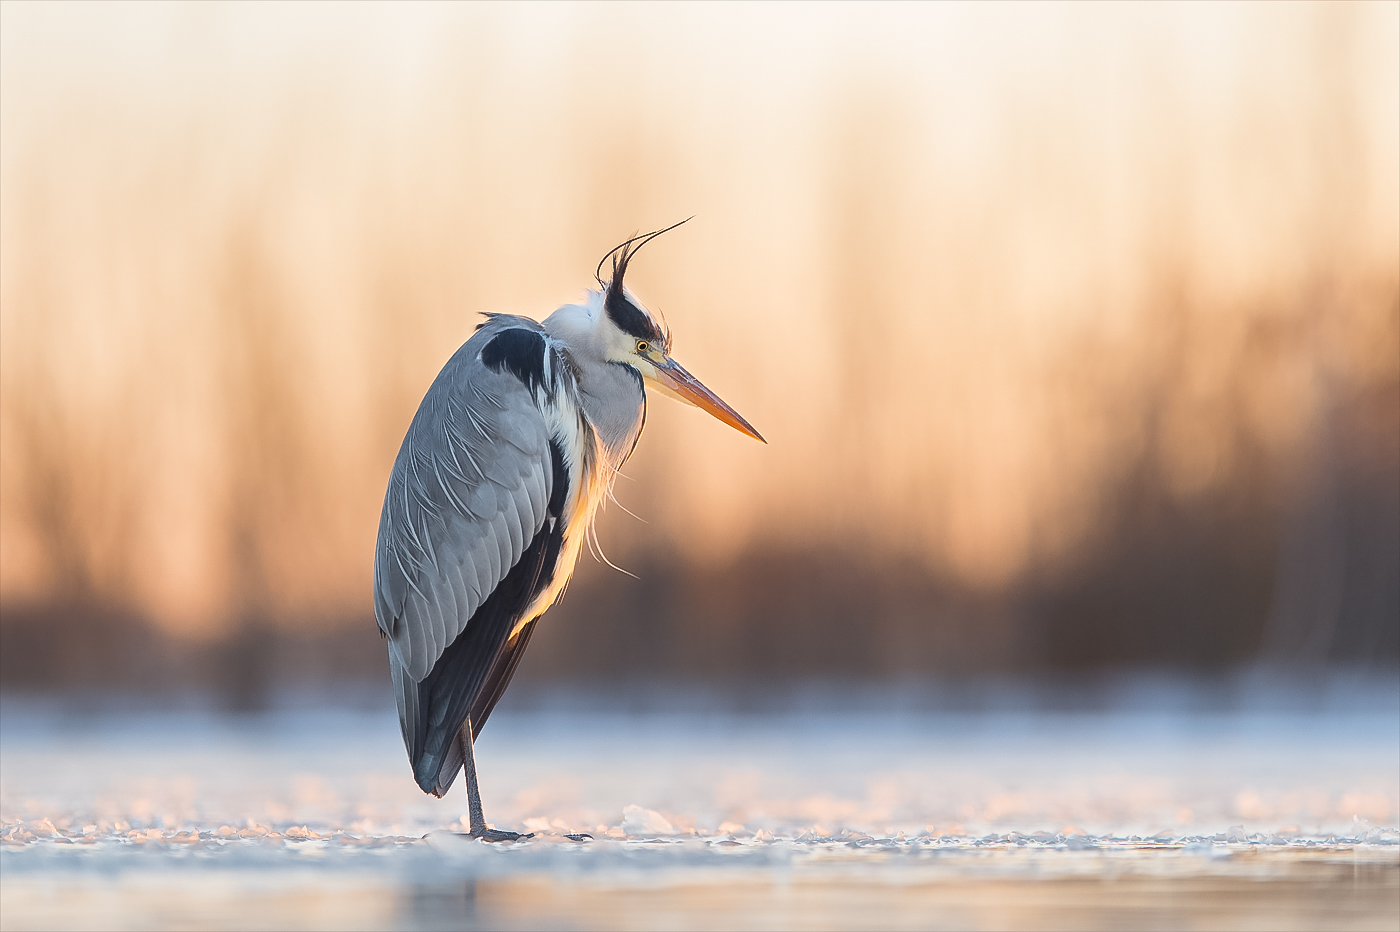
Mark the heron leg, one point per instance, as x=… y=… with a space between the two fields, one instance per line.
x=478 y=819
x=475 y=814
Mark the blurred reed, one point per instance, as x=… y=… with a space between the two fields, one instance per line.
x=1075 y=330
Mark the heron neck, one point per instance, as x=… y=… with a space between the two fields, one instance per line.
x=612 y=397
x=611 y=394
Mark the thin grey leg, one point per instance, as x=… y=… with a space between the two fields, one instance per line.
x=474 y=813
x=478 y=819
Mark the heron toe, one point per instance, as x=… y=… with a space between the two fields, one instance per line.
x=495 y=834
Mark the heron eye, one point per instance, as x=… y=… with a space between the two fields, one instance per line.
x=642 y=346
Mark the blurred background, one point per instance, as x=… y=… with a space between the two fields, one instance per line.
x=1074 y=331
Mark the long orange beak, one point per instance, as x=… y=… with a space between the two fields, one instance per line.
x=673 y=380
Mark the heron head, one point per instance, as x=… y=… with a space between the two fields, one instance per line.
x=637 y=337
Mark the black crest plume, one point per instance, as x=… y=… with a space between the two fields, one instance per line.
x=623 y=312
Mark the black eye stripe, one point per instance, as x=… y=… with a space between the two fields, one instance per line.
x=630 y=318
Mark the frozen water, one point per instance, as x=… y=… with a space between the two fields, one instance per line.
x=1009 y=819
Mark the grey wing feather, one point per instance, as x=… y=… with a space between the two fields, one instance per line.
x=436 y=560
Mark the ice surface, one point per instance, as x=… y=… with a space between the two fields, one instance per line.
x=162 y=820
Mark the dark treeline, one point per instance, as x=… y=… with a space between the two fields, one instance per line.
x=1233 y=577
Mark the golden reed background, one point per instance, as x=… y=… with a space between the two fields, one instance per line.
x=1074 y=329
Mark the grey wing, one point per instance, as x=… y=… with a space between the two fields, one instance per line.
x=464 y=542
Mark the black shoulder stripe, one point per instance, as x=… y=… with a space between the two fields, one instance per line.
x=519 y=350
x=630 y=318
x=560 y=493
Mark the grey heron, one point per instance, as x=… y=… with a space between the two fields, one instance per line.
x=511 y=451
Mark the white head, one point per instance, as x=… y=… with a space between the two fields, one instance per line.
x=615 y=328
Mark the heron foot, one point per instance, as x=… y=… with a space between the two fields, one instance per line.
x=495 y=834
x=579 y=836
